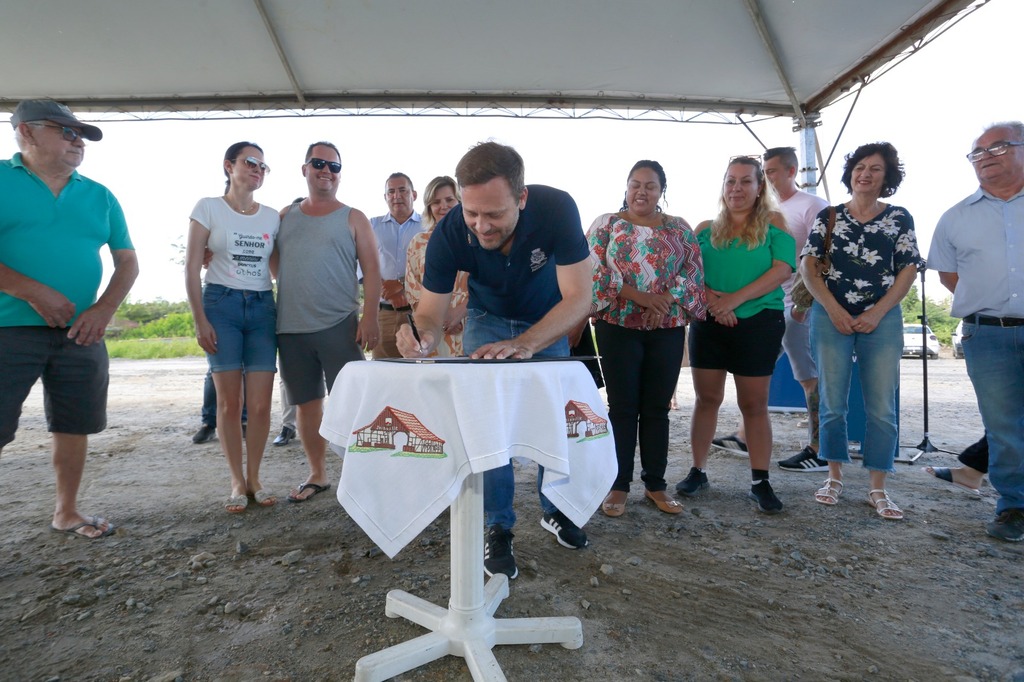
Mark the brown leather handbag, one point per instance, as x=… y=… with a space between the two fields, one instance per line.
x=800 y=294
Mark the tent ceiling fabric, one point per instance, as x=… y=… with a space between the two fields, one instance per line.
x=677 y=55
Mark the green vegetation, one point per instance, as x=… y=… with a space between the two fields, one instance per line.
x=164 y=330
x=130 y=317
x=938 y=315
x=171 y=326
x=141 y=313
x=149 y=349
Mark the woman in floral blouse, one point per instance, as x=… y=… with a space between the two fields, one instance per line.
x=648 y=283
x=748 y=254
x=857 y=313
x=441 y=196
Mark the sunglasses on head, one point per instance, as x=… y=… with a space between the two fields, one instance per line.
x=319 y=164
x=253 y=162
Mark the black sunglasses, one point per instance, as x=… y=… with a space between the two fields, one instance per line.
x=320 y=163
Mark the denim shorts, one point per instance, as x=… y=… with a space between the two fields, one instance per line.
x=75 y=380
x=246 y=327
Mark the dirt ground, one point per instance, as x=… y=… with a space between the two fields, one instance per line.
x=185 y=591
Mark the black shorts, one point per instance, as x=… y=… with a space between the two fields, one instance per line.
x=750 y=349
x=75 y=380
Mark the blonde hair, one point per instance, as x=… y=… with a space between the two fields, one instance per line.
x=755 y=229
x=430 y=193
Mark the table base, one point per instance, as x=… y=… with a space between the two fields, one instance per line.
x=467 y=628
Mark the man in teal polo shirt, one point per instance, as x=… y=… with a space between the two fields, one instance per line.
x=53 y=223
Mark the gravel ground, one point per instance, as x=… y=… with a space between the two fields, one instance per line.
x=296 y=592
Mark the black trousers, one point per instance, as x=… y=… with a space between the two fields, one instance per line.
x=641 y=368
x=975 y=456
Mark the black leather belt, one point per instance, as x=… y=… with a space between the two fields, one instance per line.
x=995 y=321
x=388 y=306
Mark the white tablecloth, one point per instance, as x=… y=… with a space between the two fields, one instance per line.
x=412 y=432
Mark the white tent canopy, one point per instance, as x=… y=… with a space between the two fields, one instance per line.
x=522 y=58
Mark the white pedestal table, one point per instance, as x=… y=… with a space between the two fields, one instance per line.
x=417 y=438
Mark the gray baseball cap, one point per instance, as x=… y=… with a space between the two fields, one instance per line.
x=30 y=110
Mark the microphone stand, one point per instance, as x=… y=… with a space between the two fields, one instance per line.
x=926 y=444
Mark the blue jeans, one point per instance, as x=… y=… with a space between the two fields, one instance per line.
x=995 y=363
x=878 y=358
x=500 y=484
x=209 y=413
x=246 y=326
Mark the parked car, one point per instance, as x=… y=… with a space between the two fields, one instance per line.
x=912 y=341
x=958 y=346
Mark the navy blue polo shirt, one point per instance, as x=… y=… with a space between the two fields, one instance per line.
x=523 y=285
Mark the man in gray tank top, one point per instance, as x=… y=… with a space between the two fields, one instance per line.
x=320 y=243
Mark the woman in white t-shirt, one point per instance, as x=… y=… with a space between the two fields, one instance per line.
x=235 y=316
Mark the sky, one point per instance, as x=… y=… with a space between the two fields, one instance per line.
x=931 y=107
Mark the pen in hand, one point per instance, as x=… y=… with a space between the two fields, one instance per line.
x=415 y=332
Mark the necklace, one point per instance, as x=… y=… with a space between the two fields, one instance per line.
x=244 y=211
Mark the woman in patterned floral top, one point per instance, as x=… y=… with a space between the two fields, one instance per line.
x=648 y=283
x=748 y=253
x=857 y=313
x=441 y=196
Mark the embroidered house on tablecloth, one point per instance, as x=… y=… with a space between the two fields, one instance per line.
x=578 y=412
x=380 y=433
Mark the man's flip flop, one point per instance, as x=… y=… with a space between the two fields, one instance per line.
x=93 y=522
x=317 y=489
x=946 y=474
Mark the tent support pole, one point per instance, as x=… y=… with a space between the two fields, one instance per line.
x=808 y=152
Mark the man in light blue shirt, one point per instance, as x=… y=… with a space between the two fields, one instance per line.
x=394 y=231
x=978 y=250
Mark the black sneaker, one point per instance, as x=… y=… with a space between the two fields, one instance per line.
x=805 y=461
x=694 y=482
x=731 y=442
x=568 y=533
x=286 y=436
x=205 y=434
x=767 y=502
x=1008 y=526
x=498 y=556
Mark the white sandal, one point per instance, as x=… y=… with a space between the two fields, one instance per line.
x=829 y=495
x=888 y=509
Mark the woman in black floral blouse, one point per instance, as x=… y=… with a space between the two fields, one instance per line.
x=857 y=314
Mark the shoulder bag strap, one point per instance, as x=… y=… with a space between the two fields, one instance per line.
x=826 y=260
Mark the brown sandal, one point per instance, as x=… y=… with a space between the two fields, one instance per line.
x=614 y=503
x=663 y=502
